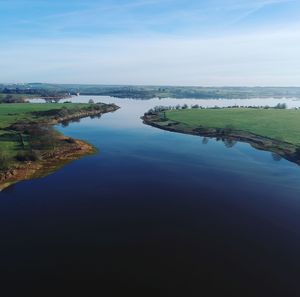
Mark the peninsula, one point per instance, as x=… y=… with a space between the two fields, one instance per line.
x=270 y=129
x=29 y=145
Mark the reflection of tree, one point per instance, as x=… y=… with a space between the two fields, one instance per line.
x=205 y=140
x=65 y=124
x=276 y=157
x=229 y=143
x=96 y=116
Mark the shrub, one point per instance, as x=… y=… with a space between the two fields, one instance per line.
x=297 y=151
x=42 y=137
x=4 y=161
x=97 y=107
x=64 y=111
x=26 y=156
x=281 y=106
x=184 y=106
x=70 y=140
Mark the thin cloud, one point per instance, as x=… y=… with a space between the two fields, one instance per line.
x=256 y=7
x=268 y=58
x=150 y=42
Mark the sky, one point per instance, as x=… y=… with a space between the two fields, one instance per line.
x=151 y=42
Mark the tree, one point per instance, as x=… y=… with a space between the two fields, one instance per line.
x=26 y=156
x=4 y=161
x=281 y=106
x=91 y=101
x=42 y=137
x=184 y=106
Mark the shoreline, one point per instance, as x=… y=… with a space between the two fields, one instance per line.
x=49 y=164
x=70 y=150
x=283 y=149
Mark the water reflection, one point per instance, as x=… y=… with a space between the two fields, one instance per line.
x=229 y=143
x=276 y=157
x=205 y=140
x=156 y=209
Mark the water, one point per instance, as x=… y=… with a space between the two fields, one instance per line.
x=155 y=213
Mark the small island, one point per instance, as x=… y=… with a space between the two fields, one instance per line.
x=272 y=129
x=30 y=147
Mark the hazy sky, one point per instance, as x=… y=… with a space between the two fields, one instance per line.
x=164 y=42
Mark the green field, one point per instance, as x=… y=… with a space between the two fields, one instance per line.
x=12 y=113
x=27 y=112
x=282 y=125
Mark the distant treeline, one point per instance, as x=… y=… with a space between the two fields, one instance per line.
x=13 y=94
x=148 y=92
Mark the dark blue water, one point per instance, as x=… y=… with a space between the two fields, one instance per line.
x=154 y=213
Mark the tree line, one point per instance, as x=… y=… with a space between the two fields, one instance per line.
x=161 y=108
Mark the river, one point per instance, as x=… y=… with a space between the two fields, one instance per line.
x=157 y=213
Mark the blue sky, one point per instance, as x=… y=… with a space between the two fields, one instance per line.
x=174 y=42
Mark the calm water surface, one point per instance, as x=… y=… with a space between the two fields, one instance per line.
x=155 y=213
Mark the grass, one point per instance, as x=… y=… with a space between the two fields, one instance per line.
x=282 y=125
x=12 y=113
x=25 y=112
x=29 y=145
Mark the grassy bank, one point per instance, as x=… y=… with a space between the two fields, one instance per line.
x=29 y=143
x=282 y=125
x=12 y=113
x=28 y=114
x=276 y=130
